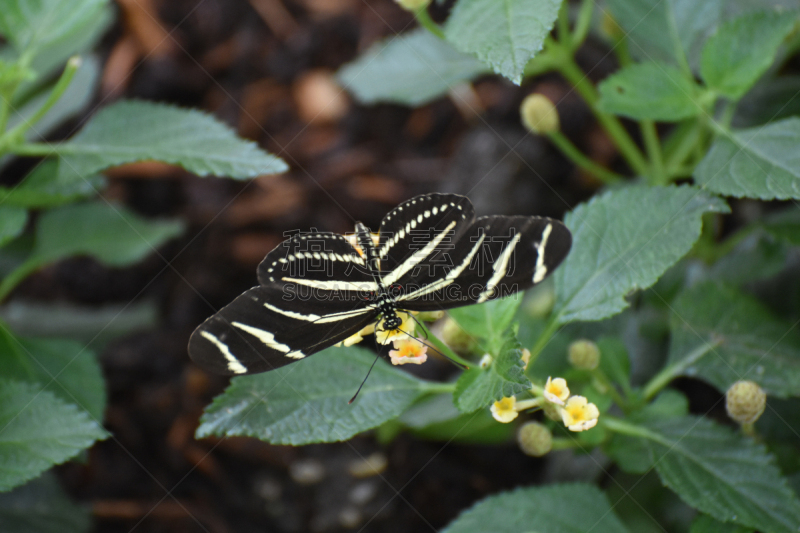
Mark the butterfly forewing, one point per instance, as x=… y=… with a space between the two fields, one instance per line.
x=496 y=257
x=260 y=331
x=432 y=221
x=315 y=291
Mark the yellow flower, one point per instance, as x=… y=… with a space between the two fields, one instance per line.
x=358 y=337
x=579 y=414
x=405 y=330
x=556 y=390
x=504 y=410
x=408 y=350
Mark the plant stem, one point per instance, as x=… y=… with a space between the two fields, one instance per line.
x=425 y=20
x=550 y=328
x=16 y=276
x=651 y=142
x=582 y=23
x=434 y=387
x=34 y=149
x=626 y=428
x=73 y=64
x=570 y=70
x=600 y=376
x=682 y=145
x=443 y=348
x=564 y=37
x=571 y=151
x=660 y=380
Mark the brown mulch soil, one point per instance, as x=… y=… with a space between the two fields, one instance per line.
x=265 y=67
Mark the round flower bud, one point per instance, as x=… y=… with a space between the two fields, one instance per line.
x=745 y=401
x=539 y=115
x=534 y=439
x=455 y=336
x=583 y=354
x=413 y=5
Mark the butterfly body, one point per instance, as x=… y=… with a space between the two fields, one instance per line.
x=317 y=289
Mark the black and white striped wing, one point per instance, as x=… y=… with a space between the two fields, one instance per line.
x=494 y=257
x=314 y=293
x=259 y=331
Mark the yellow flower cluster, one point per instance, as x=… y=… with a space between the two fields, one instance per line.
x=577 y=413
x=407 y=348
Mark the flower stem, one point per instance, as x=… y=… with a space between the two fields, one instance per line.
x=443 y=348
x=660 y=380
x=651 y=142
x=576 y=156
x=73 y=64
x=570 y=70
x=425 y=20
x=601 y=377
x=550 y=328
x=16 y=276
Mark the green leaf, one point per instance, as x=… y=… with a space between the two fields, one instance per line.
x=784 y=225
x=758 y=256
x=42 y=188
x=38 y=430
x=759 y=162
x=650 y=90
x=770 y=99
x=12 y=222
x=705 y=524
x=111 y=234
x=743 y=49
x=753 y=345
x=562 y=508
x=624 y=240
x=306 y=402
x=131 y=131
x=505 y=376
x=40 y=506
x=93 y=325
x=31 y=25
x=666 y=30
x=436 y=418
x=725 y=475
x=504 y=34
x=65 y=368
x=488 y=321
x=412 y=69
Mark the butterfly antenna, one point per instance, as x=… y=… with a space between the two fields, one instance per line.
x=365 y=379
x=424 y=331
x=459 y=365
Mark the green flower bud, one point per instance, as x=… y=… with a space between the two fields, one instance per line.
x=539 y=115
x=583 y=354
x=413 y=5
x=552 y=411
x=745 y=401
x=534 y=439
x=455 y=336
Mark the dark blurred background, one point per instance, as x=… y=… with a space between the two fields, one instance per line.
x=266 y=68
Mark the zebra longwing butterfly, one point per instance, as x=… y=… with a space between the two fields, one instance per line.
x=317 y=289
